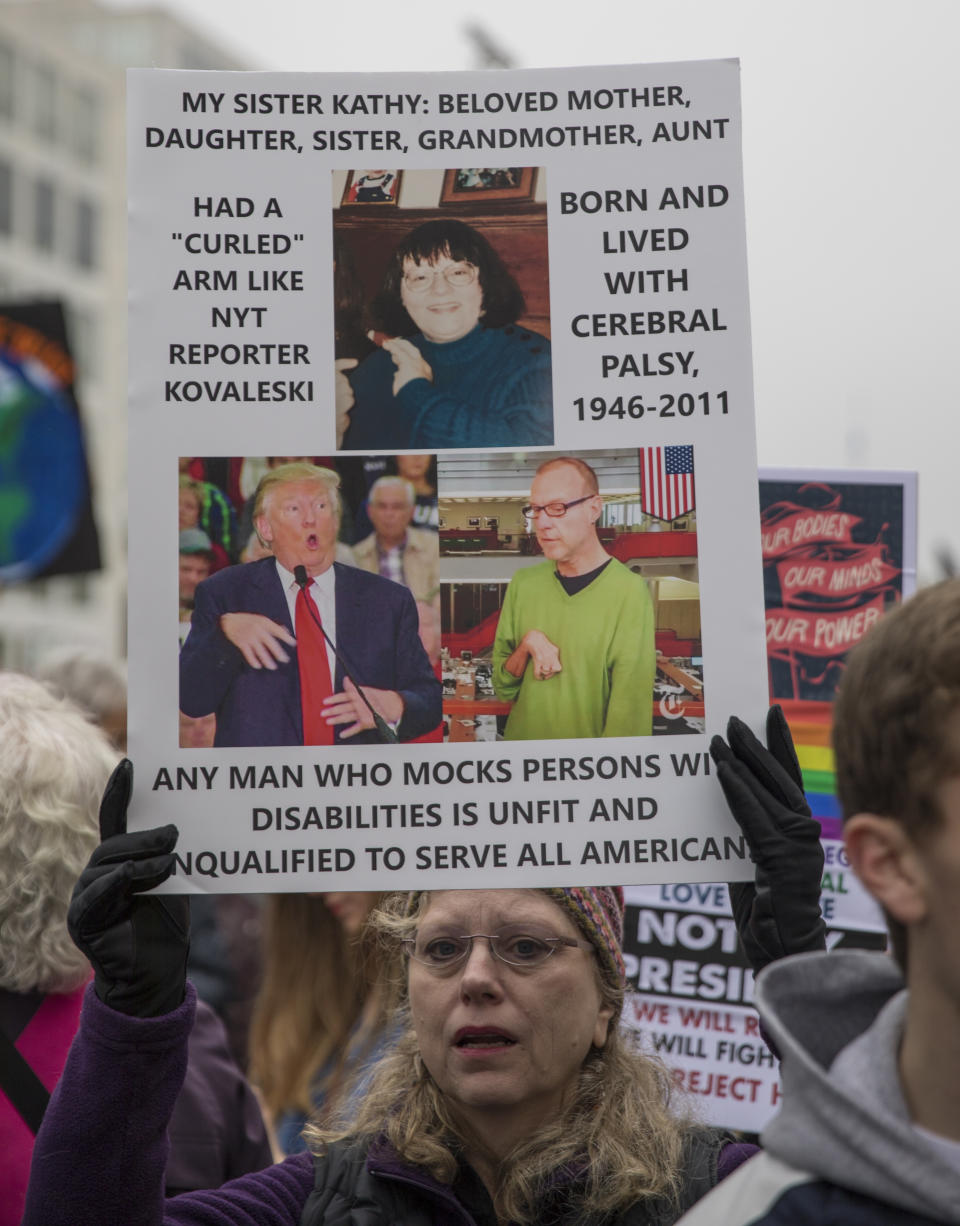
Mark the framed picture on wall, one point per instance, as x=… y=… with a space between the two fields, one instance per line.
x=472 y=184
x=372 y=187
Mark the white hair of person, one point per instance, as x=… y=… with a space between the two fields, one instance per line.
x=54 y=764
x=395 y=483
x=94 y=682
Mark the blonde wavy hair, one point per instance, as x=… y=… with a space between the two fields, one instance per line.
x=315 y=986
x=53 y=767
x=623 y=1133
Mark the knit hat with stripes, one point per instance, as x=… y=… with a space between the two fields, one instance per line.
x=598 y=913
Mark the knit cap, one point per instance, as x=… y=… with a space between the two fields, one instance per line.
x=598 y=913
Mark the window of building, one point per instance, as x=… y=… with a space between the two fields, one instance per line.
x=6 y=197
x=621 y=514
x=43 y=214
x=83 y=336
x=44 y=102
x=85 y=235
x=84 y=123
x=80 y=589
x=7 y=86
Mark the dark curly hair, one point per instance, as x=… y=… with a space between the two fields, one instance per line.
x=502 y=298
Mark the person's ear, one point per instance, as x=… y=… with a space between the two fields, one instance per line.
x=886 y=861
x=262 y=525
x=601 y=1029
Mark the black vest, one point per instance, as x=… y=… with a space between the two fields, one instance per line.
x=346 y=1193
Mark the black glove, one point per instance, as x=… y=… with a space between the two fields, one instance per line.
x=136 y=944
x=779 y=912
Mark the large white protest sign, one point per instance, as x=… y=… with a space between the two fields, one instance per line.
x=260 y=264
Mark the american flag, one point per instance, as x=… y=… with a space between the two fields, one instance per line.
x=667 y=481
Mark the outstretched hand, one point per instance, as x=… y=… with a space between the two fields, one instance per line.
x=136 y=943
x=409 y=363
x=344 y=399
x=258 y=639
x=347 y=707
x=779 y=912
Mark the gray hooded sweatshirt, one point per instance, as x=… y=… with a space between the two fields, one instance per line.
x=842 y=1148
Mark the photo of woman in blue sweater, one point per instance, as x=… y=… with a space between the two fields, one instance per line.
x=452 y=368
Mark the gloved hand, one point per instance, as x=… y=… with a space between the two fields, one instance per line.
x=136 y=944
x=779 y=912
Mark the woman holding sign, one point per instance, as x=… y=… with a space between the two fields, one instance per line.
x=510 y=1095
x=453 y=367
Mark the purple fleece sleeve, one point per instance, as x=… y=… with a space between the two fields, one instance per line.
x=101 y=1151
x=733 y=1154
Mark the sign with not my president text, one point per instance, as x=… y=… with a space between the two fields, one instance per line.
x=548 y=682
x=839 y=551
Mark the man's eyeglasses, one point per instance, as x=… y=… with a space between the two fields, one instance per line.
x=419 y=281
x=554 y=509
x=446 y=951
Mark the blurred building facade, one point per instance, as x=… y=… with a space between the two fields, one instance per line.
x=63 y=236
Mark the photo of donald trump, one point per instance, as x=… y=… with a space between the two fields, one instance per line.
x=297 y=649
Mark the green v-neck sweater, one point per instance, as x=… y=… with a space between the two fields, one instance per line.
x=605 y=634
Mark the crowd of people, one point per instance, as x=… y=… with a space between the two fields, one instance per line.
x=455 y=1056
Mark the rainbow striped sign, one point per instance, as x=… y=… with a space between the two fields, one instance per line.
x=839 y=551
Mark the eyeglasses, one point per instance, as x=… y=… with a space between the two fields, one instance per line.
x=556 y=510
x=459 y=276
x=446 y=951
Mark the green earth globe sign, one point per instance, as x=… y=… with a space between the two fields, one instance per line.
x=43 y=484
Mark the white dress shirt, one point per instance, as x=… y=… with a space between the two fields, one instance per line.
x=322 y=590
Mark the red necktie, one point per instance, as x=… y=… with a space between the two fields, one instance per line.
x=315 y=683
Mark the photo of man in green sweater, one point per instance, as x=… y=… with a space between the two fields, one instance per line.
x=574 y=650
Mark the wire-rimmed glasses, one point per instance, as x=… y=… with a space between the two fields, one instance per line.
x=420 y=280
x=514 y=946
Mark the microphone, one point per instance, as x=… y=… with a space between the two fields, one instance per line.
x=384 y=731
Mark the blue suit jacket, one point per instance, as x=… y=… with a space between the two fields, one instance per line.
x=377 y=635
